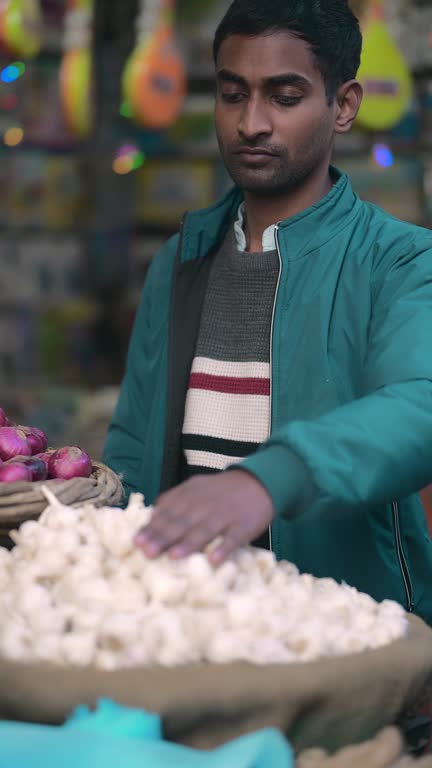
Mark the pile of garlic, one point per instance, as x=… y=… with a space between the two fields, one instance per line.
x=75 y=591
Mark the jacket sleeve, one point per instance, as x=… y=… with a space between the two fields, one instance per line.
x=377 y=448
x=123 y=450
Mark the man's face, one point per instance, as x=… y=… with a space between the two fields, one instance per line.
x=273 y=120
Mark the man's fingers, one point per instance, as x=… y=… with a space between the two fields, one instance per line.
x=191 y=516
x=198 y=538
x=166 y=528
x=153 y=545
x=232 y=539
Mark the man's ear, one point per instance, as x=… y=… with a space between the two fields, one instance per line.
x=348 y=101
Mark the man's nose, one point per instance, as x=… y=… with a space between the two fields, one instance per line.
x=254 y=120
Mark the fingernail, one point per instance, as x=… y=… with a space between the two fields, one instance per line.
x=150 y=548
x=177 y=553
x=216 y=557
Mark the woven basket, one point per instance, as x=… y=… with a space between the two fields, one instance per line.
x=25 y=501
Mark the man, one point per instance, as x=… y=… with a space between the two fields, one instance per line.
x=284 y=335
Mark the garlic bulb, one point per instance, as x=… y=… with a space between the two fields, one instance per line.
x=75 y=591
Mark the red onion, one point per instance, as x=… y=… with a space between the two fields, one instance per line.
x=69 y=462
x=13 y=473
x=45 y=457
x=13 y=442
x=37 y=439
x=42 y=436
x=37 y=467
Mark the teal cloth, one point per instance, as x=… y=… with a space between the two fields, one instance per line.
x=114 y=736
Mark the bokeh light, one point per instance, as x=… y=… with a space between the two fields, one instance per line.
x=126 y=110
x=12 y=72
x=383 y=155
x=8 y=102
x=128 y=158
x=13 y=136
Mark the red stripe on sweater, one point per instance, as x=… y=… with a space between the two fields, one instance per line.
x=232 y=385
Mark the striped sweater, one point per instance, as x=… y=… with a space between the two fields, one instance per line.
x=227 y=412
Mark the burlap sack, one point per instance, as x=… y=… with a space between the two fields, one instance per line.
x=387 y=750
x=328 y=704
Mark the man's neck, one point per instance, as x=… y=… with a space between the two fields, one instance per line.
x=262 y=212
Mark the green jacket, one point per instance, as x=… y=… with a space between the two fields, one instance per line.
x=351 y=405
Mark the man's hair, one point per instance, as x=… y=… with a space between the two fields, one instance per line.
x=328 y=26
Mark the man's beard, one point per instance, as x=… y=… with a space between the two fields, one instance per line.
x=284 y=176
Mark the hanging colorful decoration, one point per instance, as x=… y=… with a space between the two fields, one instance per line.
x=154 y=80
x=21 y=27
x=76 y=72
x=384 y=74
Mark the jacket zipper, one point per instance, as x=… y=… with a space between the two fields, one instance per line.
x=402 y=559
x=271 y=350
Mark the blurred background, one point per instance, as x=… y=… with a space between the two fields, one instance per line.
x=98 y=162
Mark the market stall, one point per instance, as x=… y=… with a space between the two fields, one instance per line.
x=190 y=665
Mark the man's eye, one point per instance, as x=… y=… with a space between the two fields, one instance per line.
x=287 y=101
x=232 y=98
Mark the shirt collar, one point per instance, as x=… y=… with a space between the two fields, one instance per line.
x=268 y=239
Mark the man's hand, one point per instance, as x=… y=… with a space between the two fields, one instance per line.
x=232 y=505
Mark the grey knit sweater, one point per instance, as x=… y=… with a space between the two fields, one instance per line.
x=227 y=413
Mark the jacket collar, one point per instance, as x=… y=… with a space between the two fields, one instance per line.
x=203 y=230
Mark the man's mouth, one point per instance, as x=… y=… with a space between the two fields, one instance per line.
x=254 y=152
